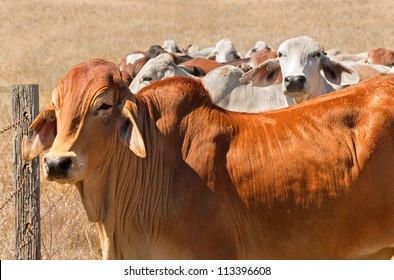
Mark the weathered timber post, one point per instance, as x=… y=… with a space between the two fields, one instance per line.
x=25 y=106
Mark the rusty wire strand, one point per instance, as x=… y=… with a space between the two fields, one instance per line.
x=18 y=122
x=56 y=203
x=26 y=240
x=12 y=195
x=15 y=192
x=28 y=233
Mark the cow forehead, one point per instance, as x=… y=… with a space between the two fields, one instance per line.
x=224 y=44
x=132 y=58
x=301 y=45
x=83 y=83
x=381 y=51
x=156 y=64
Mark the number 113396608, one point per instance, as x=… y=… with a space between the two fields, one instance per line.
x=239 y=270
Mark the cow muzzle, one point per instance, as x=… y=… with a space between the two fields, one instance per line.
x=294 y=83
x=62 y=168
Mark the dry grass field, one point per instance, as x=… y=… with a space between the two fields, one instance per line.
x=42 y=39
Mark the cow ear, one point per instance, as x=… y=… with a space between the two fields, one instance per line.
x=128 y=129
x=263 y=75
x=44 y=127
x=337 y=73
x=212 y=55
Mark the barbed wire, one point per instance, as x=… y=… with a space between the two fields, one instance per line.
x=23 y=181
x=25 y=239
x=16 y=191
x=28 y=237
x=18 y=122
x=55 y=204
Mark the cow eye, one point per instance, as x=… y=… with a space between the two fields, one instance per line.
x=54 y=106
x=148 y=79
x=104 y=107
x=280 y=54
x=316 y=54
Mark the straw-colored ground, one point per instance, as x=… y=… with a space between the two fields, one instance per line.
x=42 y=39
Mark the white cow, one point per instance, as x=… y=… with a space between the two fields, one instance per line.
x=367 y=71
x=223 y=84
x=337 y=55
x=303 y=63
x=195 y=51
x=156 y=68
x=172 y=47
x=227 y=91
x=260 y=45
x=224 y=51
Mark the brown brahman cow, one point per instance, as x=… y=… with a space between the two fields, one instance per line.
x=166 y=174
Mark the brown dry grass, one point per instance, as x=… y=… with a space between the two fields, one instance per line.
x=42 y=39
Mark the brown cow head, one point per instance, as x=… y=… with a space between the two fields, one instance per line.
x=82 y=125
x=381 y=56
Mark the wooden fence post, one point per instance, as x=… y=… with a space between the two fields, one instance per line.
x=25 y=105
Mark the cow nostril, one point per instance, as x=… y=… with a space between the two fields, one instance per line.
x=295 y=83
x=65 y=163
x=58 y=167
x=302 y=79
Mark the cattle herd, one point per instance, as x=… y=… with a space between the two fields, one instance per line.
x=208 y=154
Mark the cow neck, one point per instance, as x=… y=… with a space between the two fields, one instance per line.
x=325 y=87
x=151 y=178
x=95 y=188
x=135 y=192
